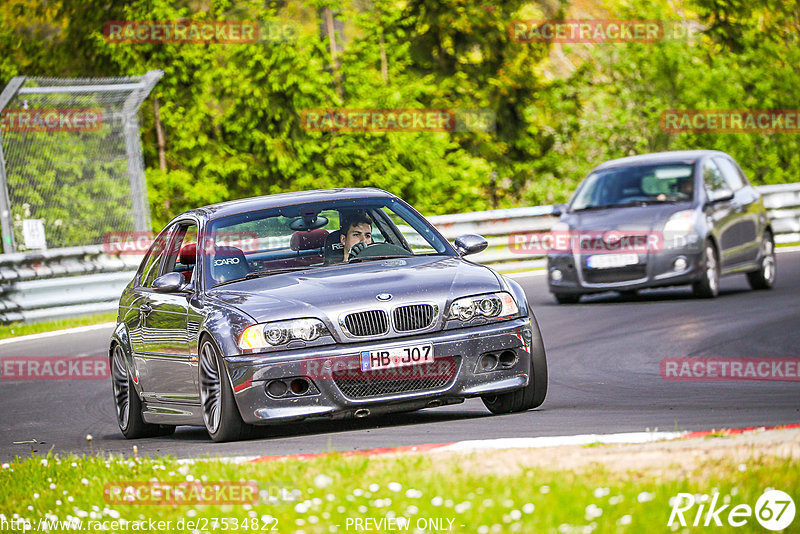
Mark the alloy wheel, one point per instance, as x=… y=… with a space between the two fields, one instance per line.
x=210 y=397
x=119 y=373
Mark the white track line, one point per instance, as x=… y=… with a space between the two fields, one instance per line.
x=55 y=333
x=558 y=441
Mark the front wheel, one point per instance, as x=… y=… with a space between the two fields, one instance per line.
x=127 y=403
x=764 y=277
x=532 y=395
x=220 y=413
x=708 y=285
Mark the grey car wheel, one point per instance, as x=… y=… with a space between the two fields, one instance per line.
x=532 y=395
x=127 y=402
x=708 y=285
x=764 y=277
x=220 y=414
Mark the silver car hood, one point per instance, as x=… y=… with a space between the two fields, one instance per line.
x=329 y=292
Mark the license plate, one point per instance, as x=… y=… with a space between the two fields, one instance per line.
x=609 y=261
x=396 y=357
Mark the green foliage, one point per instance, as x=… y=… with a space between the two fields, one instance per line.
x=232 y=113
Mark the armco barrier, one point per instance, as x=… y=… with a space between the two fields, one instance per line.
x=76 y=281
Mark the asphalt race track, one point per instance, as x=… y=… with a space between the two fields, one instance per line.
x=603 y=356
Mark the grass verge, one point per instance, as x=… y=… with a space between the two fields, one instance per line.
x=432 y=493
x=23 y=329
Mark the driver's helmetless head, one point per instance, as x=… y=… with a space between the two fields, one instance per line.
x=357 y=229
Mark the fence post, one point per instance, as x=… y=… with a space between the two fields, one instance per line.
x=6 y=223
x=133 y=150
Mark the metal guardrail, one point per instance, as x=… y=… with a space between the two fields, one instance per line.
x=81 y=280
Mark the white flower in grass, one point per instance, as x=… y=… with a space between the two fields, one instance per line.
x=58 y=502
x=483 y=529
x=301 y=507
x=592 y=511
x=313 y=519
x=463 y=507
x=191 y=512
x=358 y=492
x=487 y=503
x=742 y=468
x=437 y=501
x=35 y=495
x=599 y=493
x=322 y=481
x=52 y=486
x=30 y=508
x=113 y=514
x=184 y=470
x=6 y=466
x=374 y=487
x=616 y=499
x=412 y=510
x=413 y=493
x=362 y=509
x=85 y=481
x=395 y=486
x=528 y=508
x=516 y=515
x=545 y=489
x=340 y=509
x=645 y=496
x=625 y=520
x=299 y=522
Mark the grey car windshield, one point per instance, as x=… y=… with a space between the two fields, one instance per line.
x=636 y=185
x=312 y=236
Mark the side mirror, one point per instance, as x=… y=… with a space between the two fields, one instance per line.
x=169 y=283
x=470 y=244
x=558 y=210
x=721 y=195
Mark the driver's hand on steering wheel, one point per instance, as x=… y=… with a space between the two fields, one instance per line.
x=358 y=247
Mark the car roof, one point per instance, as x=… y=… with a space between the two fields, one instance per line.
x=675 y=156
x=232 y=207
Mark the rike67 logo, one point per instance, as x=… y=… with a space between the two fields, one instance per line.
x=774 y=510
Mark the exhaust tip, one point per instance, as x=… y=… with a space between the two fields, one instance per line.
x=361 y=412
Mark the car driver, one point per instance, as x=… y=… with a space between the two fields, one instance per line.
x=356 y=234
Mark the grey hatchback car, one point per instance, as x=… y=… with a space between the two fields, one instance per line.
x=330 y=303
x=664 y=219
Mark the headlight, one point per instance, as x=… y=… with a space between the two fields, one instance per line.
x=681 y=223
x=265 y=335
x=493 y=305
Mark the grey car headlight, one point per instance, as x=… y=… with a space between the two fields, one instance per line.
x=268 y=335
x=492 y=306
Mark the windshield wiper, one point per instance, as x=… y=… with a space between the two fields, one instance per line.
x=641 y=202
x=258 y=274
x=384 y=257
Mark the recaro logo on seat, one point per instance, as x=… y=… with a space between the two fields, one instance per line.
x=226 y=261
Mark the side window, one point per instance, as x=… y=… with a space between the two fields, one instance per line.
x=712 y=178
x=182 y=253
x=731 y=174
x=153 y=260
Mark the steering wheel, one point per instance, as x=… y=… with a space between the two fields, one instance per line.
x=380 y=249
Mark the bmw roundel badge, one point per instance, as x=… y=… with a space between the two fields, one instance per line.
x=383 y=297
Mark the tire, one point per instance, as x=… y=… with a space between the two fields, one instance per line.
x=567 y=298
x=532 y=395
x=221 y=416
x=764 y=277
x=127 y=403
x=708 y=285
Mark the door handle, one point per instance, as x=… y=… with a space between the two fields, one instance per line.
x=145 y=308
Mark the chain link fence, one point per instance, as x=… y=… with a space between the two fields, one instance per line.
x=71 y=166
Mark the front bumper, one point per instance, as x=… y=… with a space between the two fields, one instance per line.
x=461 y=348
x=653 y=270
